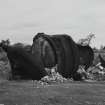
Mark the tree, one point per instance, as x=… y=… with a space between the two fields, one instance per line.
x=87 y=40
x=6 y=42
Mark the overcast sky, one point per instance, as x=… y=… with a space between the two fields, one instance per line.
x=20 y=20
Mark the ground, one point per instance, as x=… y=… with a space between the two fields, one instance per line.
x=69 y=93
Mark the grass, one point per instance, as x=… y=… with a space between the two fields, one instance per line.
x=70 y=93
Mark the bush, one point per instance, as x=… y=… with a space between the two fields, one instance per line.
x=5 y=68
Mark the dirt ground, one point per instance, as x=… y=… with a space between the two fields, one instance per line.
x=69 y=93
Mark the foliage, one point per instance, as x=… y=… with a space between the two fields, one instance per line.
x=5 y=67
x=6 y=42
x=22 y=45
x=87 y=40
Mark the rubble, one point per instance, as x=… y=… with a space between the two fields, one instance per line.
x=97 y=72
x=53 y=76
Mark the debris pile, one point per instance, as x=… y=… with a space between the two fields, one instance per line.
x=82 y=72
x=53 y=76
x=97 y=72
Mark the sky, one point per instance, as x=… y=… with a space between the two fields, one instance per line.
x=21 y=20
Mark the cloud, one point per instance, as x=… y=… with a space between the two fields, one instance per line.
x=78 y=17
x=20 y=26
